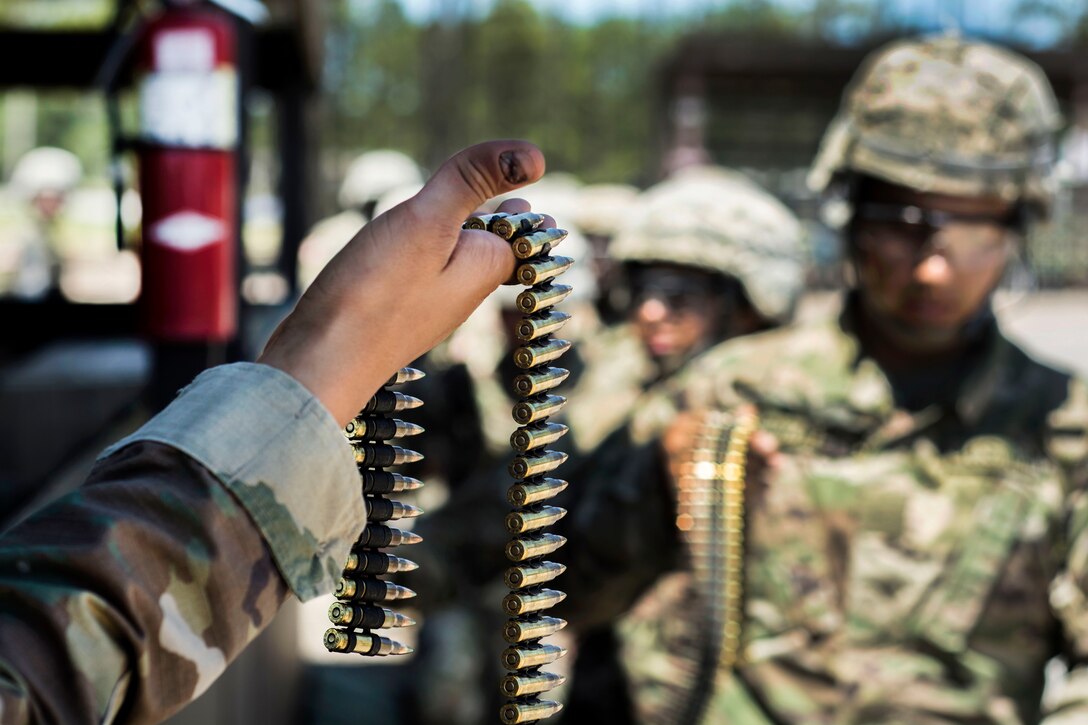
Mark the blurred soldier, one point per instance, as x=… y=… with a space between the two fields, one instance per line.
x=42 y=179
x=370 y=176
x=604 y=209
x=915 y=550
x=707 y=257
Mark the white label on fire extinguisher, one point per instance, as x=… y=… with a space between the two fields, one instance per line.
x=190 y=109
x=191 y=50
x=188 y=231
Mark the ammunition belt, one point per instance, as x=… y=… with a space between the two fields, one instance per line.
x=358 y=611
x=530 y=575
x=710 y=518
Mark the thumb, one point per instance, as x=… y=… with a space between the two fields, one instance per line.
x=474 y=175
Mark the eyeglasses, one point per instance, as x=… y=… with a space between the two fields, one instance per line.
x=902 y=233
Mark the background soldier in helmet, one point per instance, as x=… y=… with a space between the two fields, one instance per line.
x=915 y=548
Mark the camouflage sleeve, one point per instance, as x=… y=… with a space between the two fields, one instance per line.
x=1066 y=698
x=127 y=598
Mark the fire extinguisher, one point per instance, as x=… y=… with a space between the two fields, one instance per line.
x=186 y=72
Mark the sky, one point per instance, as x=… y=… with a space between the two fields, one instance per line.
x=989 y=18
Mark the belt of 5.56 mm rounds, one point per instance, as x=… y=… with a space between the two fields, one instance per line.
x=374 y=436
x=529 y=576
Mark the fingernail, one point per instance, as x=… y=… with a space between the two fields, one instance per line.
x=513 y=167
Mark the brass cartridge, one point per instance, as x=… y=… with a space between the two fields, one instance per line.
x=380 y=455
x=509 y=227
x=537 y=408
x=520 y=657
x=406 y=375
x=371 y=590
x=380 y=429
x=389 y=401
x=517 y=684
x=518 y=603
x=338 y=640
x=536 y=435
x=539 y=352
x=537 y=517
x=540 y=324
x=366 y=616
x=537 y=381
x=386 y=482
x=528 y=711
x=384 y=509
x=539 y=298
x=519 y=577
x=534 y=464
x=483 y=221
x=529 y=547
x=529 y=492
x=535 y=272
x=520 y=630
x=376 y=562
x=377 y=536
x=537 y=243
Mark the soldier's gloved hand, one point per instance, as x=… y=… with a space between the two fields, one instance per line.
x=405 y=281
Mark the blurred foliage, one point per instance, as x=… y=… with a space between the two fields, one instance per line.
x=56 y=14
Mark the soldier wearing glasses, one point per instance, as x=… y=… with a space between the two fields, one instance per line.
x=917 y=542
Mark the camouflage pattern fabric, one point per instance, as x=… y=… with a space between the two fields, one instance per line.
x=911 y=117
x=718 y=220
x=126 y=599
x=902 y=567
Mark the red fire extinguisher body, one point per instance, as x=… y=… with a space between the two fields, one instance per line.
x=189 y=176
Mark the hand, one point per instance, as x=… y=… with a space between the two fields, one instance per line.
x=404 y=282
x=681 y=437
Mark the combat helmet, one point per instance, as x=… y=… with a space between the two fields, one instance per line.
x=374 y=174
x=947 y=115
x=718 y=220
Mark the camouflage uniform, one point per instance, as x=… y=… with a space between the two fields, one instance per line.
x=905 y=563
x=126 y=599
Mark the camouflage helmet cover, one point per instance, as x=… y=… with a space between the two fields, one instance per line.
x=718 y=220
x=946 y=115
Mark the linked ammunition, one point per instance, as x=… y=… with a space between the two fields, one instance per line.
x=529 y=492
x=510 y=226
x=337 y=640
x=379 y=455
x=371 y=590
x=375 y=562
x=540 y=352
x=380 y=429
x=540 y=324
x=513 y=713
x=537 y=408
x=520 y=657
x=528 y=465
x=537 y=271
x=406 y=375
x=519 y=577
x=536 y=435
x=366 y=616
x=521 y=630
x=538 y=243
x=537 y=381
x=537 y=517
x=517 y=603
x=539 y=298
x=517 y=684
x=530 y=547
x=389 y=401
x=377 y=536
x=483 y=221
x=384 y=509
x=386 y=482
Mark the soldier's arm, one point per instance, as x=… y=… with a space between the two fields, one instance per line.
x=129 y=597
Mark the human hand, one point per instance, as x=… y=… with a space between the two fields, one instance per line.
x=404 y=282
